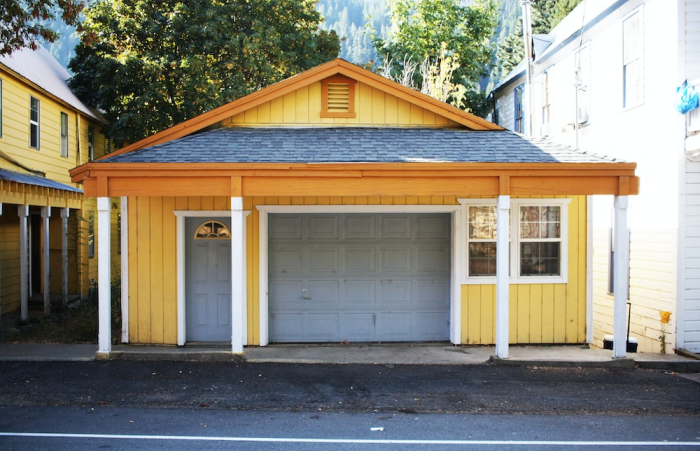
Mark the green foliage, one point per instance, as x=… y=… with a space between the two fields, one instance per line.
x=21 y=21
x=419 y=27
x=151 y=65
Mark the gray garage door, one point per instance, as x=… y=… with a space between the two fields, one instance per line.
x=359 y=277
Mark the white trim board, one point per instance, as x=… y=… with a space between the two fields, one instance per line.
x=181 y=243
x=458 y=232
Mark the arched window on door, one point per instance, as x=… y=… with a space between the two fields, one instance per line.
x=212 y=230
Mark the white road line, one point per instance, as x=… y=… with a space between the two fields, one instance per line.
x=348 y=441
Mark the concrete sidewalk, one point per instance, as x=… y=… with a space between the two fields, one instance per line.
x=386 y=354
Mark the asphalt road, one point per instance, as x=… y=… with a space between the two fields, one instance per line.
x=208 y=405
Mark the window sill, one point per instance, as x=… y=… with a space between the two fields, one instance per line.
x=535 y=280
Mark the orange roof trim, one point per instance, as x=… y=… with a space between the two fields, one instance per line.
x=318 y=73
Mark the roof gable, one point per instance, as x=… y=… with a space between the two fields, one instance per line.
x=246 y=110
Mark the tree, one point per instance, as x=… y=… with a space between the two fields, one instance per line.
x=546 y=14
x=419 y=27
x=151 y=65
x=20 y=21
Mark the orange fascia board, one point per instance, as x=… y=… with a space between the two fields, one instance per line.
x=279 y=89
x=529 y=179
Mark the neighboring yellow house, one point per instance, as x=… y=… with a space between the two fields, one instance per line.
x=45 y=221
x=337 y=205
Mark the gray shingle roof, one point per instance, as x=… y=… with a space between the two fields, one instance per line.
x=355 y=145
x=27 y=179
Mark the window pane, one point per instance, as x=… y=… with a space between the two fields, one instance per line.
x=482 y=223
x=482 y=259
x=212 y=230
x=539 y=259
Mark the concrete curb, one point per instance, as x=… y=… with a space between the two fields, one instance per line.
x=211 y=356
x=616 y=363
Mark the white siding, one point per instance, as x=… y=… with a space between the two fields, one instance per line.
x=692 y=39
x=691 y=292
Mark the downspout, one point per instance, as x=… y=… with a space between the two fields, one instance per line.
x=527 y=37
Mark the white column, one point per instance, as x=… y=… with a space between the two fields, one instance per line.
x=104 y=276
x=125 y=268
x=620 y=284
x=23 y=212
x=502 y=276
x=238 y=295
x=64 y=254
x=45 y=215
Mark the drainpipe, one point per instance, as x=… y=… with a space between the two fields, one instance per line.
x=527 y=37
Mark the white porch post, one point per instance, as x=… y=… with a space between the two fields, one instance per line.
x=103 y=277
x=23 y=212
x=502 y=276
x=620 y=284
x=64 y=254
x=237 y=274
x=45 y=215
x=125 y=268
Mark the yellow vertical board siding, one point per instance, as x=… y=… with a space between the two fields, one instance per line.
x=134 y=270
x=372 y=107
x=539 y=313
x=169 y=270
x=9 y=260
x=155 y=237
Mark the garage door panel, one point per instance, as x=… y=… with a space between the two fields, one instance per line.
x=395 y=326
x=396 y=227
x=286 y=227
x=360 y=260
x=433 y=227
x=286 y=293
x=395 y=293
x=360 y=293
x=323 y=227
x=360 y=277
x=323 y=326
x=432 y=293
x=323 y=293
x=323 y=260
x=286 y=260
x=432 y=259
x=396 y=260
x=360 y=227
x=358 y=326
x=430 y=325
x=287 y=326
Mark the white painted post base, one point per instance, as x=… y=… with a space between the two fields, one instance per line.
x=104 y=278
x=502 y=282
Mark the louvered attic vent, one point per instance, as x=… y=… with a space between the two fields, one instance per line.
x=338 y=97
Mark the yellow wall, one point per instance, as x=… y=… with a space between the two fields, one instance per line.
x=540 y=313
x=14 y=145
x=372 y=106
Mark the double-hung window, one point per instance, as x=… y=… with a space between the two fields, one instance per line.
x=538 y=240
x=64 y=135
x=0 y=107
x=632 y=67
x=34 y=116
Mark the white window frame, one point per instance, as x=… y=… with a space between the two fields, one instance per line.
x=636 y=14
x=36 y=123
x=64 y=134
x=519 y=109
x=91 y=143
x=514 y=264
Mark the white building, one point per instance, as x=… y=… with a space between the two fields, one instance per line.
x=612 y=68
